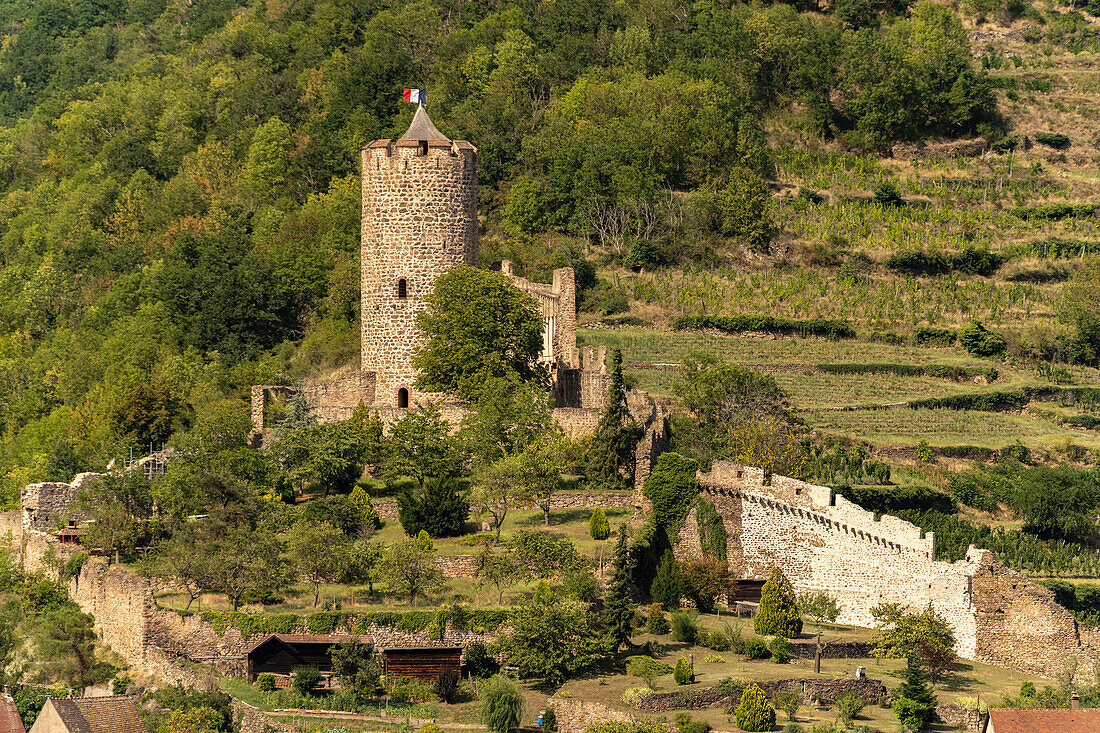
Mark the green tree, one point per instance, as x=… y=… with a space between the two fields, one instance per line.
x=778 y=614
x=420 y=446
x=318 y=553
x=610 y=462
x=409 y=568
x=915 y=704
x=705 y=581
x=544 y=554
x=65 y=647
x=119 y=506
x=619 y=605
x=598 y=526
x=668 y=585
x=744 y=209
x=478 y=327
x=1078 y=306
x=193 y=720
x=925 y=636
x=498 y=570
x=553 y=641
x=361 y=499
x=327 y=457
x=822 y=609
x=509 y=417
x=438 y=508
x=498 y=489
x=245 y=561
x=501 y=704
x=754 y=713
x=148 y=414
x=357 y=668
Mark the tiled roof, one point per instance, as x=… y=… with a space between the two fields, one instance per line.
x=313 y=639
x=10 y=722
x=100 y=715
x=1043 y=721
x=422 y=128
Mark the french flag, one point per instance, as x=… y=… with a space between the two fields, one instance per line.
x=415 y=96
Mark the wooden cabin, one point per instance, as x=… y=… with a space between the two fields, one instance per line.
x=420 y=662
x=279 y=654
x=745 y=591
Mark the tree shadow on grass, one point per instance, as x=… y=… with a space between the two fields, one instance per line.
x=958 y=679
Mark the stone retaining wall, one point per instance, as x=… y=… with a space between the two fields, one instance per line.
x=574 y=716
x=826 y=691
x=831 y=650
x=960 y=717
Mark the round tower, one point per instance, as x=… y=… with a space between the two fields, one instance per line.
x=419 y=220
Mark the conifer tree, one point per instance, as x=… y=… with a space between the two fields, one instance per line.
x=619 y=607
x=598 y=526
x=916 y=705
x=778 y=614
x=611 y=452
x=754 y=713
x=668 y=586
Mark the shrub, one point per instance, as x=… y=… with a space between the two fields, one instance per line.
x=793 y=728
x=683 y=673
x=848 y=705
x=704 y=581
x=633 y=694
x=446 y=684
x=831 y=329
x=755 y=648
x=714 y=659
x=429 y=728
x=479 y=662
x=732 y=687
x=413 y=691
x=685 y=626
x=501 y=705
x=787 y=701
x=780 y=648
x=582 y=585
x=685 y=724
x=598 y=526
x=642 y=666
x=306 y=680
x=717 y=641
x=927 y=336
x=886 y=194
x=656 y=622
x=754 y=713
x=265 y=682
x=1055 y=140
x=778 y=614
x=980 y=341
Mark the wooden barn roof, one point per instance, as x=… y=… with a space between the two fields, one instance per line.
x=312 y=639
x=389 y=649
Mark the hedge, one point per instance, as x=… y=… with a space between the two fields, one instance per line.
x=1053 y=248
x=939 y=371
x=926 y=335
x=968 y=261
x=832 y=329
x=1054 y=212
x=249 y=624
x=982 y=401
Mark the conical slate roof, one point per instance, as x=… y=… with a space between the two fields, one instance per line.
x=422 y=128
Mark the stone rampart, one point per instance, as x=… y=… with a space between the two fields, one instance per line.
x=823 y=542
x=959 y=717
x=45 y=505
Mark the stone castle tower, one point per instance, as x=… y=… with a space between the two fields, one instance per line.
x=419 y=221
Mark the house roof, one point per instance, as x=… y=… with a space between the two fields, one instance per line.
x=422 y=128
x=10 y=722
x=100 y=715
x=312 y=639
x=388 y=649
x=1043 y=721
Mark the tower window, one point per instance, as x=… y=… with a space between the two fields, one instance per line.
x=402 y=288
x=423 y=147
x=402 y=397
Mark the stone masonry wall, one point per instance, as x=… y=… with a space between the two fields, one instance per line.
x=46 y=504
x=419 y=221
x=574 y=716
x=823 y=542
x=557 y=306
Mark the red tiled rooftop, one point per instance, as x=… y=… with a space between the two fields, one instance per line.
x=1043 y=721
x=10 y=722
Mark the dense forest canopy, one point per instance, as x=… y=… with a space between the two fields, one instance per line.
x=179 y=196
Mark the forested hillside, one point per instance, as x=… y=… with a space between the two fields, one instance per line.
x=179 y=196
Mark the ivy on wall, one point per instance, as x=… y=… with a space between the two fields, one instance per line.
x=712 y=532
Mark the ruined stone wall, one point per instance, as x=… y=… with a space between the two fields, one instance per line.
x=1019 y=624
x=557 y=306
x=46 y=504
x=419 y=221
x=823 y=542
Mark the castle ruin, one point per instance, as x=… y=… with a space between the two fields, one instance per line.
x=419 y=221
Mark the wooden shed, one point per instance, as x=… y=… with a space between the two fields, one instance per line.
x=279 y=654
x=421 y=662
